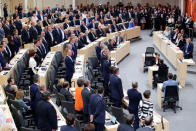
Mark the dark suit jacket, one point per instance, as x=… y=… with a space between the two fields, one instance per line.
x=106 y=69
x=6 y=30
x=45 y=23
x=56 y=36
x=75 y=52
x=189 y=50
x=25 y=37
x=49 y=39
x=91 y=25
x=82 y=28
x=86 y=98
x=80 y=44
x=134 y=99
x=125 y=127
x=91 y=37
x=17 y=44
x=46 y=116
x=113 y=28
x=97 y=108
x=18 y=24
x=2 y=60
x=144 y=129
x=67 y=94
x=98 y=52
x=70 y=66
x=68 y=128
x=65 y=25
x=33 y=95
x=33 y=33
x=100 y=33
x=39 y=29
x=116 y=87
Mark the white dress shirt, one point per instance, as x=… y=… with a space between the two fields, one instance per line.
x=33 y=65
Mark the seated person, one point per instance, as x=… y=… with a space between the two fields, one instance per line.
x=167 y=32
x=177 y=39
x=148 y=124
x=100 y=32
x=70 y=120
x=188 y=49
x=60 y=84
x=181 y=43
x=19 y=99
x=157 y=59
x=65 y=91
x=10 y=82
x=109 y=29
x=111 y=45
x=128 y=126
x=145 y=107
x=124 y=26
x=92 y=35
x=119 y=38
x=13 y=90
x=169 y=82
x=131 y=24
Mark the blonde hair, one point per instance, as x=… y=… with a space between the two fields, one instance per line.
x=60 y=82
x=20 y=94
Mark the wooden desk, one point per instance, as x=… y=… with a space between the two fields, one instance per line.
x=133 y=32
x=151 y=69
x=121 y=51
x=159 y=95
x=6 y=110
x=110 y=127
x=79 y=70
x=156 y=119
x=143 y=60
x=5 y=74
x=29 y=46
x=167 y=48
x=46 y=64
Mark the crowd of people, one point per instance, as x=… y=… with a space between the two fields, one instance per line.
x=80 y=27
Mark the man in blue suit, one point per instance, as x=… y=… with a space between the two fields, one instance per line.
x=2 y=33
x=33 y=92
x=69 y=62
x=70 y=120
x=134 y=99
x=103 y=57
x=17 y=43
x=97 y=109
x=188 y=49
x=106 y=73
x=56 y=34
x=119 y=39
x=98 y=50
x=2 y=58
x=74 y=53
x=46 y=114
x=116 y=88
x=128 y=126
x=18 y=24
x=25 y=35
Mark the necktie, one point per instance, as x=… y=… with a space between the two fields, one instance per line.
x=8 y=50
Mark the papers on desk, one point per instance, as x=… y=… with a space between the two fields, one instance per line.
x=79 y=67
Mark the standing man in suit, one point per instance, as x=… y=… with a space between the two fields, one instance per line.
x=103 y=57
x=86 y=93
x=2 y=58
x=16 y=41
x=106 y=74
x=45 y=42
x=5 y=10
x=69 y=62
x=33 y=92
x=18 y=24
x=38 y=27
x=128 y=126
x=6 y=28
x=70 y=121
x=33 y=32
x=188 y=49
x=2 y=33
x=50 y=37
x=8 y=55
x=25 y=35
x=83 y=27
x=116 y=88
x=91 y=35
x=98 y=50
x=46 y=114
x=134 y=99
x=100 y=32
x=97 y=109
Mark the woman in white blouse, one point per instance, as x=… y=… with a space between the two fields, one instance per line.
x=167 y=32
x=32 y=62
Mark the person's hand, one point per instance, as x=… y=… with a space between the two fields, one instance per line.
x=91 y=118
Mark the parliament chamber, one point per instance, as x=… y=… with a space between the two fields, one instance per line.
x=97 y=65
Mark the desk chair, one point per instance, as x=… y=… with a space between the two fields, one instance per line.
x=118 y=113
x=171 y=98
x=149 y=57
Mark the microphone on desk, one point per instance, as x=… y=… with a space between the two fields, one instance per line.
x=162 y=122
